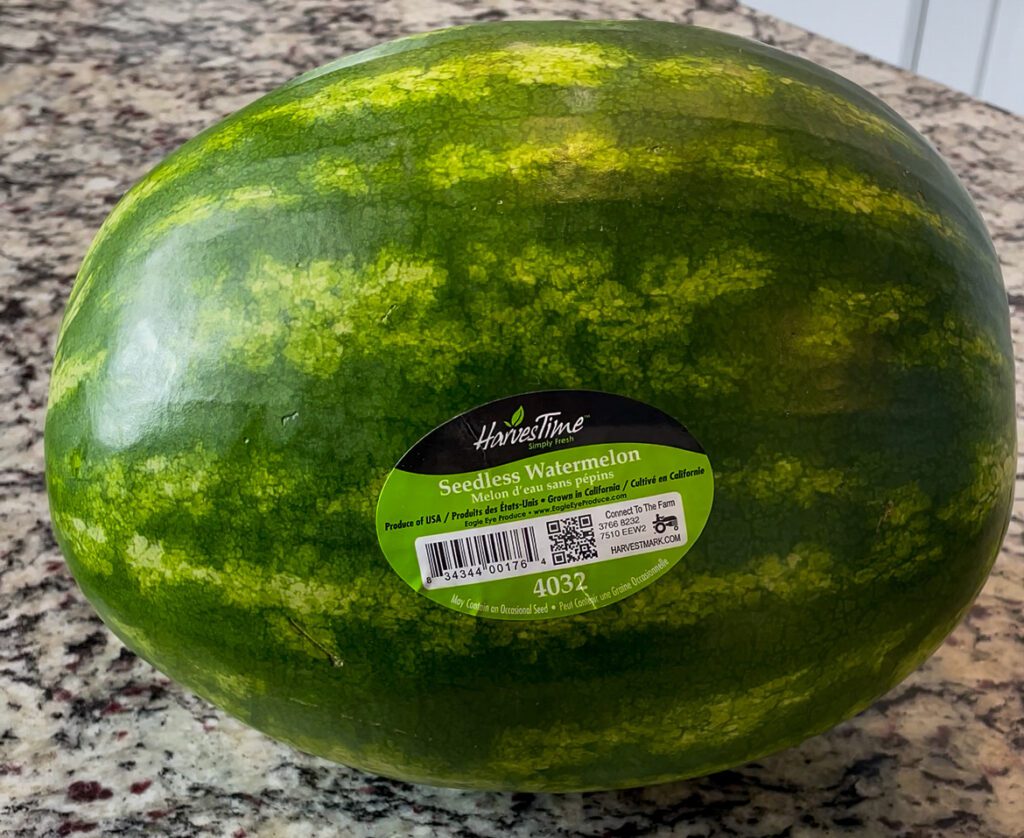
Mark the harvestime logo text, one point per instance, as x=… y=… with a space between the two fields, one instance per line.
x=545 y=426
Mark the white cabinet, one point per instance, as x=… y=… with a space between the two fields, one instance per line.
x=878 y=27
x=1003 y=77
x=972 y=45
x=954 y=36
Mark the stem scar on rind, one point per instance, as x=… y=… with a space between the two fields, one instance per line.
x=334 y=659
x=885 y=515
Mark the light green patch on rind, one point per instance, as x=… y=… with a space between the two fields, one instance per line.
x=671 y=295
x=775 y=478
x=311 y=314
x=120 y=498
x=466 y=78
x=154 y=566
x=732 y=269
x=334 y=173
x=727 y=716
x=742 y=80
x=246 y=582
x=198 y=208
x=905 y=536
x=88 y=542
x=478 y=75
x=232 y=690
x=70 y=371
x=951 y=343
x=153 y=183
x=701 y=71
x=832 y=326
x=565 y=270
x=79 y=292
x=590 y=151
x=666 y=299
x=685 y=598
x=993 y=468
x=182 y=482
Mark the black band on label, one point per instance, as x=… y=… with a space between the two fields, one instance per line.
x=515 y=427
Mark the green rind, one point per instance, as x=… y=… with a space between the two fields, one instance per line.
x=276 y=313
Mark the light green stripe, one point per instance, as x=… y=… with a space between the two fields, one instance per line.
x=739 y=83
x=184 y=483
x=69 y=372
x=734 y=85
x=467 y=78
x=231 y=690
x=587 y=150
x=260 y=197
x=256 y=587
x=737 y=86
x=726 y=716
x=764 y=166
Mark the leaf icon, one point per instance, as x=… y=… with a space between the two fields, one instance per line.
x=517 y=417
x=508 y=424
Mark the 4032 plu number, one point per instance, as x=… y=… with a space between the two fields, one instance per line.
x=563 y=583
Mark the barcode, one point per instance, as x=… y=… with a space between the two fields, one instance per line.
x=518 y=544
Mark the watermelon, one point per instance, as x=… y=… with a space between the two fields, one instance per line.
x=276 y=313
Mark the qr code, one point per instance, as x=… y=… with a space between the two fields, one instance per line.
x=572 y=539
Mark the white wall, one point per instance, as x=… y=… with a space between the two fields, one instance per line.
x=972 y=45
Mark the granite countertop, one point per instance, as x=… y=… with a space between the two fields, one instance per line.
x=94 y=741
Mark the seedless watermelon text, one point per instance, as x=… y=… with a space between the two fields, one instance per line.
x=484 y=480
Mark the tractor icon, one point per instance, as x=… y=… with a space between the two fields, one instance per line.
x=663 y=522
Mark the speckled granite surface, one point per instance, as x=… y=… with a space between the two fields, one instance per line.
x=94 y=741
